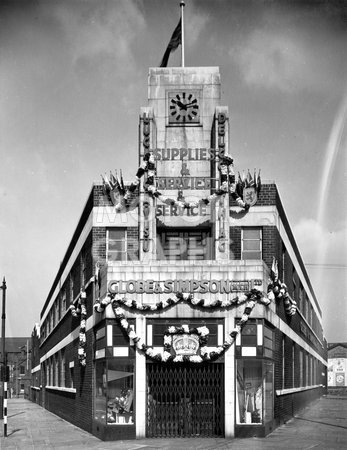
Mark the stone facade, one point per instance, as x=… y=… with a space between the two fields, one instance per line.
x=157 y=252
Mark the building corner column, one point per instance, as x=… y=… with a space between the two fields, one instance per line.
x=140 y=384
x=229 y=385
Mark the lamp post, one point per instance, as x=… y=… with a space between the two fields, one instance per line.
x=3 y=354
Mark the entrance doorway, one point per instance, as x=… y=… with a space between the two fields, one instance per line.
x=185 y=401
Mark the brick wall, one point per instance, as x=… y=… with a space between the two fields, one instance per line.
x=268 y=196
x=271 y=244
x=99 y=244
x=285 y=406
x=71 y=406
x=235 y=242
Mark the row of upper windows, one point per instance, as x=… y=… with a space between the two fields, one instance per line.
x=197 y=245
x=58 y=371
x=181 y=244
x=305 y=369
x=299 y=294
x=171 y=245
x=65 y=297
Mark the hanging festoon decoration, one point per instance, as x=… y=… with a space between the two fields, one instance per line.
x=279 y=291
x=253 y=294
x=81 y=311
x=221 y=220
x=122 y=198
x=206 y=353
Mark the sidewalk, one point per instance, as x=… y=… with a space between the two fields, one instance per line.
x=322 y=426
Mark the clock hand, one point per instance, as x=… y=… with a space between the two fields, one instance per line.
x=181 y=105
x=190 y=104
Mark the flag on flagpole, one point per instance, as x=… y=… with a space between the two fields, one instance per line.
x=258 y=182
x=175 y=41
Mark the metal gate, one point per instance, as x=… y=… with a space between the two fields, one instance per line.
x=185 y=401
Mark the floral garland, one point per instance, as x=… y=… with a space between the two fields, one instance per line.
x=278 y=290
x=253 y=294
x=206 y=354
x=227 y=179
x=81 y=311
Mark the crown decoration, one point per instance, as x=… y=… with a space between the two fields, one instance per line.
x=185 y=344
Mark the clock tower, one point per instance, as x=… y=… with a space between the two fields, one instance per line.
x=181 y=127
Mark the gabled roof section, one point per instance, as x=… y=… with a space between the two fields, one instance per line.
x=337 y=344
x=17 y=344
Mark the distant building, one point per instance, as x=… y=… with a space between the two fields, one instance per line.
x=187 y=312
x=35 y=385
x=18 y=357
x=337 y=368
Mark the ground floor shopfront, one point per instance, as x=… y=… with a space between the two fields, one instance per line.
x=136 y=397
x=183 y=401
x=123 y=394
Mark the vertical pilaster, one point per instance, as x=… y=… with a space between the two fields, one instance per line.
x=140 y=383
x=229 y=384
x=221 y=208
x=147 y=205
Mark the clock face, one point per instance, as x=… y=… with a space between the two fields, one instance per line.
x=183 y=107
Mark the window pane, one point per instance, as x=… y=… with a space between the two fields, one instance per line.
x=184 y=245
x=115 y=233
x=116 y=246
x=120 y=392
x=251 y=233
x=249 y=397
x=100 y=391
x=249 y=329
x=251 y=255
x=249 y=341
x=116 y=256
x=251 y=245
x=268 y=398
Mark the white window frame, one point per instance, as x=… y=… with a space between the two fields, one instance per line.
x=71 y=287
x=56 y=369
x=72 y=374
x=293 y=364
x=284 y=251
x=301 y=368
x=260 y=240
x=62 y=368
x=125 y=244
x=83 y=267
x=63 y=302
x=301 y=297
x=283 y=363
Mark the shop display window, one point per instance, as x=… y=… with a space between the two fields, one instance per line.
x=114 y=394
x=254 y=396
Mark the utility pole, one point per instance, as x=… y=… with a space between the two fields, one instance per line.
x=3 y=355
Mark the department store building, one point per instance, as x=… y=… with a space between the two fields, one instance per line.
x=182 y=306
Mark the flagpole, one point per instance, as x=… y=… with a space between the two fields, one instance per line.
x=182 y=4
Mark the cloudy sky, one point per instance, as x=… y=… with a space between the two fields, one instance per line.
x=74 y=76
